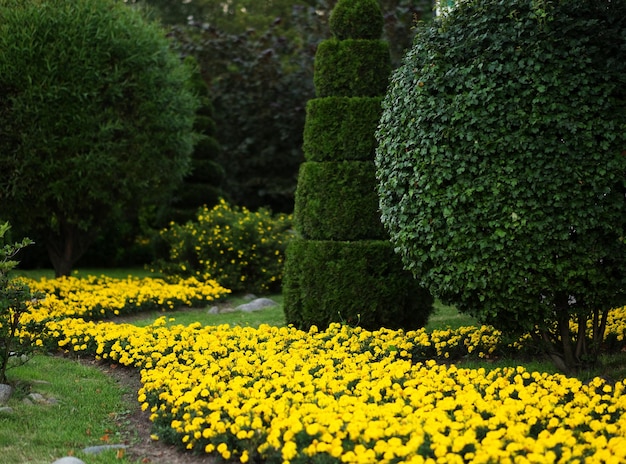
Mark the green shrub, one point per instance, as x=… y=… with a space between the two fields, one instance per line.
x=240 y=249
x=357 y=20
x=341 y=128
x=96 y=117
x=338 y=201
x=360 y=283
x=351 y=68
x=501 y=165
x=342 y=267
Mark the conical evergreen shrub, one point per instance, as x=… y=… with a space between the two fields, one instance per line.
x=342 y=267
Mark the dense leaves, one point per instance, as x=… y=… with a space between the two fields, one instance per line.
x=501 y=164
x=260 y=75
x=95 y=119
x=16 y=299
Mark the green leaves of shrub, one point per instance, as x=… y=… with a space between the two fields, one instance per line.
x=501 y=160
x=240 y=249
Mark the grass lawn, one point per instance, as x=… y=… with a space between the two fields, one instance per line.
x=89 y=410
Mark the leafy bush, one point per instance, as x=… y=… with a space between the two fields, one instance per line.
x=357 y=20
x=240 y=249
x=96 y=119
x=15 y=301
x=501 y=165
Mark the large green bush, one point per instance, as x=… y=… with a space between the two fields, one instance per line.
x=240 y=249
x=96 y=119
x=502 y=166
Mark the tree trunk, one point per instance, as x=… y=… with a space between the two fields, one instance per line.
x=66 y=248
x=563 y=318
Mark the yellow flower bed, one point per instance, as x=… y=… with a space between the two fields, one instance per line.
x=280 y=395
x=104 y=297
x=349 y=395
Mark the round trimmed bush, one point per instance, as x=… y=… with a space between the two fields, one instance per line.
x=501 y=163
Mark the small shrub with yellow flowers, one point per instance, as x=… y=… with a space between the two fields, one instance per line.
x=240 y=249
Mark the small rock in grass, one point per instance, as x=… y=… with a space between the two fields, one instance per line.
x=5 y=392
x=6 y=410
x=213 y=310
x=68 y=460
x=256 y=305
x=101 y=448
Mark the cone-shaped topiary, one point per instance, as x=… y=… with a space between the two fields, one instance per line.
x=342 y=267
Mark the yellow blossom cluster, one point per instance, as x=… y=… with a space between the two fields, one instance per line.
x=241 y=249
x=103 y=297
x=349 y=395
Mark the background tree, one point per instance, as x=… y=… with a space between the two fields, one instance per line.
x=260 y=75
x=203 y=185
x=96 y=119
x=343 y=260
x=501 y=166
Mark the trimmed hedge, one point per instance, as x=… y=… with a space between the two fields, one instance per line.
x=360 y=283
x=341 y=128
x=342 y=268
x=351 y=68
x=338 y=201
x=357 y=20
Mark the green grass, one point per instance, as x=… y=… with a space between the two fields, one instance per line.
x=273 y=316
x=90 y=408
x=447 y=317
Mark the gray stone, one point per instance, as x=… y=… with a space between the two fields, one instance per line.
x=256 y=305
x=37 y=398
x=213 y=310
x=6 y=410
x=68 y=460
x=101 y=448
x=249 y=297
x=5 y=392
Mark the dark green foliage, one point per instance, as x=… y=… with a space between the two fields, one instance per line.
x=342 y=268
x=360 y=283
x=356 y=20
x=338 y=201
x=96 y=119
x=502 y=165
x=259 y=83
x=259 y=67
x=351 y=68
x=341 y=128
x=203 y=184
